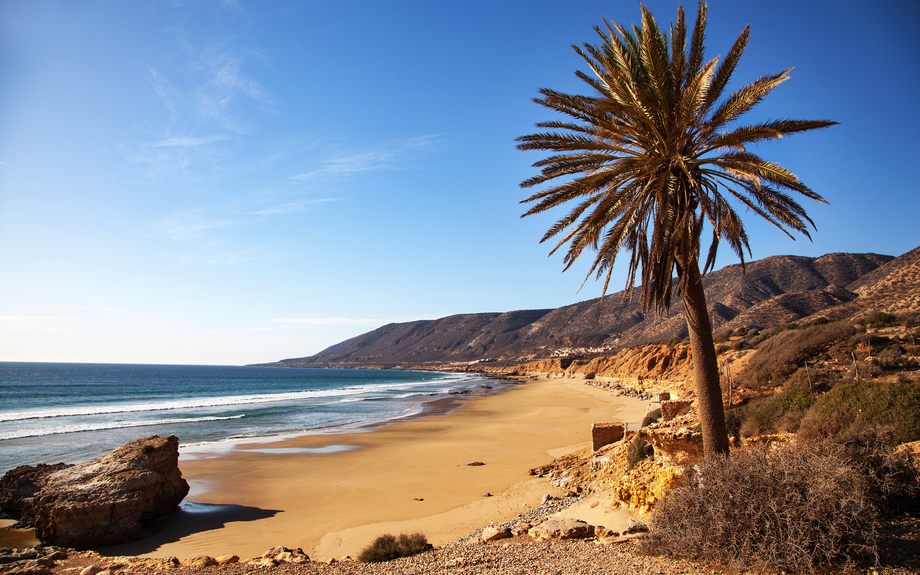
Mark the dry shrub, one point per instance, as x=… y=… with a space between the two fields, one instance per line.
x=782 y=354
x=795 y=508
x=387 y=547
x=893 y=481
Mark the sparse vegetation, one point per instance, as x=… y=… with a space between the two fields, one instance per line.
x=781 y=355
x=639 y=449
x=794 y=509
x=773 y=414
x=651 y=417
x=854 y=406
x=387 y=547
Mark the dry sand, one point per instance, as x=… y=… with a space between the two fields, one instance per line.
x=410 y=476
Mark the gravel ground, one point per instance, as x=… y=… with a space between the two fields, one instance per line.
x=900 y=555
x=518 y=555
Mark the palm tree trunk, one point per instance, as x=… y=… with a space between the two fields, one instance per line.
x=705 y=364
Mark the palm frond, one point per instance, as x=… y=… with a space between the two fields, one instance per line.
x=653 y=157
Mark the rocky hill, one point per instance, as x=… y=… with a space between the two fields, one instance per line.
x=769 y=292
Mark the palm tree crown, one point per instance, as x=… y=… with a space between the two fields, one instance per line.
x=655 y=155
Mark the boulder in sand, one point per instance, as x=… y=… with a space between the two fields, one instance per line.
x=102 y=501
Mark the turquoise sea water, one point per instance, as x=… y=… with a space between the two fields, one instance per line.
x=51 y=412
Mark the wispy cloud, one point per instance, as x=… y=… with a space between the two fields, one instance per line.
x=183 y=225
x=223 y=86
x=324 y=321
x=219 y=258
x=291 y=207
x=35 y=322
x=188 y=141
x=204 y=86
x=390 y=155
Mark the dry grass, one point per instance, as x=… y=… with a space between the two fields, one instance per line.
x=793 y=509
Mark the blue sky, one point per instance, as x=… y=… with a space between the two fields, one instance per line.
x=228 y=182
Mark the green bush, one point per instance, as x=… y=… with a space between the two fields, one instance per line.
x=387 y=547
x=851 y=407
x=776 y=413
x=795 y=509
x=772 y=414
x=878 y=319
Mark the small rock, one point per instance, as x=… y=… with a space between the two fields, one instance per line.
x=487 y=495
x=562 y=528
x=476 y=464
x=633 y=526
x=200 y=561
x=601 y=531
x=227 y=559
x=91 y=570
x=492 y=533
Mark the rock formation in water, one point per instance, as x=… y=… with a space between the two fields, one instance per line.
x=98 y=502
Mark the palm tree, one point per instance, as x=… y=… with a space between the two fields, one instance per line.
x=650 y=158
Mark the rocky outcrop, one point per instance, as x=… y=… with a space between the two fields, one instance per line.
x=19 y=487
x=102 y=501
x=654 y=362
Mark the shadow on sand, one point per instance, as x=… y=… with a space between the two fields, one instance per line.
x=189 y=518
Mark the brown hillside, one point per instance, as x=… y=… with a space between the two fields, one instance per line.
x=769 y=292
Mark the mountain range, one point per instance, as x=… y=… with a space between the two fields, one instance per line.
x=776 y=290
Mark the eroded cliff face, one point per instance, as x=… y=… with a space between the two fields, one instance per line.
x=647 y=368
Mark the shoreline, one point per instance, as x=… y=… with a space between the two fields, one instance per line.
x=331 y=494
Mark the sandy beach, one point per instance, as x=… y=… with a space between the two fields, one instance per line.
x=333 y=494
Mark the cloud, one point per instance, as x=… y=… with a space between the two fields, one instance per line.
x=291 y=207
x=189 y=224
x=34 y=322
x=385 y=156
x=324 y=321
x=187 y=141
x=222 y=86
x=224 y=258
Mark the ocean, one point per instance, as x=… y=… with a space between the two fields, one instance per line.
x=72 y=412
